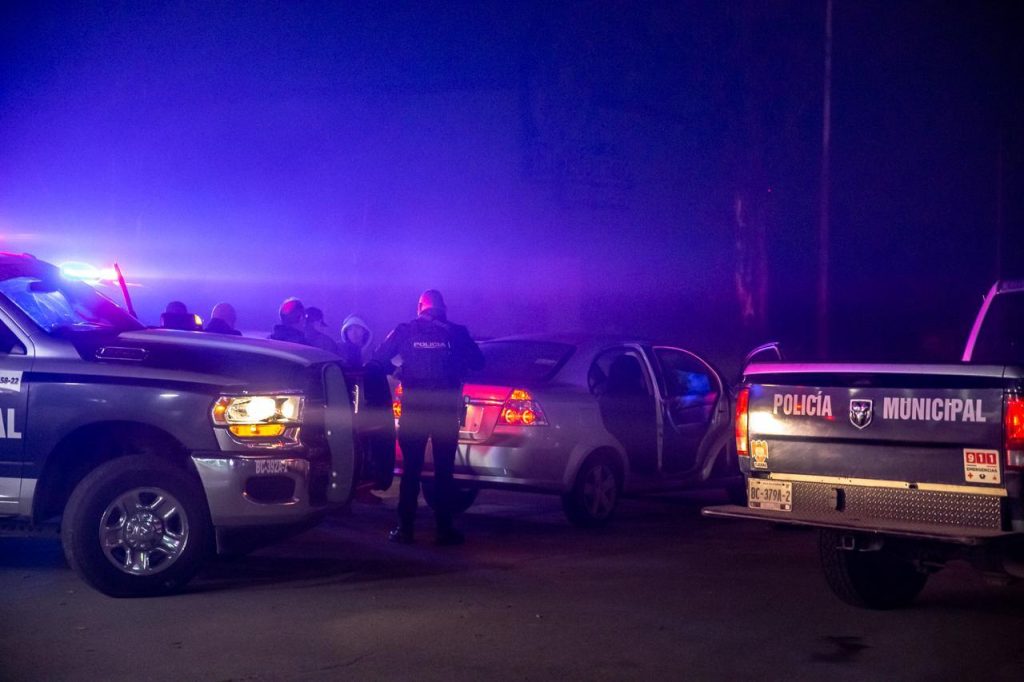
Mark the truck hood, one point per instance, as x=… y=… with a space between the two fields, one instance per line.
x=209 y=342
x=201 y=357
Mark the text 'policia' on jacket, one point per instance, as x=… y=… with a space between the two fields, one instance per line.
x=167 y=442
x=435 y=354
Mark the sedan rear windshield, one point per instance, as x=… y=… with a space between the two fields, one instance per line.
x=521 y=362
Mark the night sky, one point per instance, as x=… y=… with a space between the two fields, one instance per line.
x=611 y=166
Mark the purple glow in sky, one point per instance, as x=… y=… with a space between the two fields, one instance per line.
x=548 y=166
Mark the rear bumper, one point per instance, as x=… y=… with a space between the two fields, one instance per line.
x=261 y=491
x=920 y=531
x=951 y=514
x=522 y=462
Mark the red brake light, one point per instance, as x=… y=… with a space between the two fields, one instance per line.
x=520 y=409
x=396 y=404
x=742 y=423
x=1013 y=430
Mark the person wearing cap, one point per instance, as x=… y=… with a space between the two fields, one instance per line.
x=314 y=331
x=222 y=320
x=355 y=339
x=436 y=356
x=292 y=313
x=177 y=316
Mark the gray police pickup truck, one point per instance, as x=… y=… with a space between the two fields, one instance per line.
x=150 y=447
x=902 y=467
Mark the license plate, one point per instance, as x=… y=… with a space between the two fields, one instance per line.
x=766 y=494
x=472 y=415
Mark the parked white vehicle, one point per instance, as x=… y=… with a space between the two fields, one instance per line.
x=592 y=419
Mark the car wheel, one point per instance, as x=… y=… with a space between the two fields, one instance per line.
x=462 y=498
x=873 y=580
x=595 y=494
x=136 y=526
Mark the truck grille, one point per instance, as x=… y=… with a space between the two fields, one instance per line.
x=900 y=504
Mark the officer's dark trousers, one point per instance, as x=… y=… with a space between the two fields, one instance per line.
x=427 y=416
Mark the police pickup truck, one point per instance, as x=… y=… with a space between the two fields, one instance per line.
x=902 y=467
x=150 y=447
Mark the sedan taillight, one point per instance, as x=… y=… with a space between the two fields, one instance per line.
x=520 y=409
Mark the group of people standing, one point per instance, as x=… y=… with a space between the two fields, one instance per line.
x=430 y=355
x=300 y=324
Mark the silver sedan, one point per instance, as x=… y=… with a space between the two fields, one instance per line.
x=592 y=419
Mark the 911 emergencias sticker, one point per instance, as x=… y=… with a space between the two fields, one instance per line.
x=981 y=466
x=10 y=381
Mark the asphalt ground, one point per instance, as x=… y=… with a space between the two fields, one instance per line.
x=663 y=594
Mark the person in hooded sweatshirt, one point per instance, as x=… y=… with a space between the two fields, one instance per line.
x=355 y=339
x=292 y=315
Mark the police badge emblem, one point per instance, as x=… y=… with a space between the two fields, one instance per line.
x=860 y=412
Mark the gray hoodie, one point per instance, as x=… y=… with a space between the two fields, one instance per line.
x=351 y=352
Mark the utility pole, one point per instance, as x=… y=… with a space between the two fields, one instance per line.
x=823 y=208
x=1000 y=205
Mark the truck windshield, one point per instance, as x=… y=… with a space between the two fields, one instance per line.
x=1001 y=338
x=57 y=305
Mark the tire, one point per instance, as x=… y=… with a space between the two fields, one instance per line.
x=595 y=494
x=156 y=522
x=462 y=500
x=872 y=580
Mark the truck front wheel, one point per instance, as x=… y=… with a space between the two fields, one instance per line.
x=875 y=580
x=136 y=526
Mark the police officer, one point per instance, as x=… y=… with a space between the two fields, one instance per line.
x=435 y=357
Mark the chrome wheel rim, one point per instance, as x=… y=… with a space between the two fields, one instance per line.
x=144 y=531
x=600 y=491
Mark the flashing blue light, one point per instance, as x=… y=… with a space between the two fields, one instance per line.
x=84 y=272
x=80 y=271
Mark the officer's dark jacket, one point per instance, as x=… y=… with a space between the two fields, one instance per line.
x=436 y=354
x=320 y=340
x=219 y=326
x=283 y=332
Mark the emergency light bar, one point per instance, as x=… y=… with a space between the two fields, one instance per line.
x=90 y=274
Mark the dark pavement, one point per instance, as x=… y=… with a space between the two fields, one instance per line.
x=662 y=594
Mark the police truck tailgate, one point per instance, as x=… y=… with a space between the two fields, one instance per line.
x=917 y=448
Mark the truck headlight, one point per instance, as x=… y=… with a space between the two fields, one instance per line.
x=258 y=416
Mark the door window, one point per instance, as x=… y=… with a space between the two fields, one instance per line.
x=9 y=343
x=618 y=372
x=691 y=387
